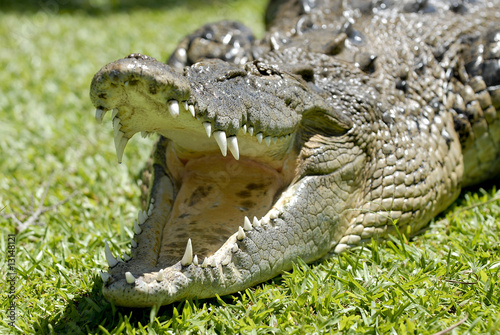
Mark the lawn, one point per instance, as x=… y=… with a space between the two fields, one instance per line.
x=62 y=194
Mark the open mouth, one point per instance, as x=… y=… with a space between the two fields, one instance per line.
x=216 y=186
x=210 y=189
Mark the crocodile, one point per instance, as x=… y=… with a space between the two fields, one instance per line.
x=346 y=121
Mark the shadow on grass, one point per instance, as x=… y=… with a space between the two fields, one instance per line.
x=91 y=313
x=99 y=7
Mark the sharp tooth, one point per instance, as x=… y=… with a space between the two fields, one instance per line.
x=247 y=225
x=232 y=144
x=191 y=109
x=173 y=108
x=126 y=257
x=241 y=234
x=250 y=131
x=244 y=128
x=125 y=83
x=116 y=124
x=150 y=210
x=226 y=261
x=208 y=128
x=120 y=148
x=205 y=263
x=133 y=243
x=220 y=138
x=259 y=137
x=265 y=220
x=275 y=139
x=152 y=200
x=195 y=260
x=142 y=216
x=99 y=114
x=185 y=105
x=234 y=248
x=137 y=229
x=213 y=263
x=159 y=276
x=274 y=214
x=187 y=259
x=129 y=277
x=256 y=222
x=109 y=256
x=105 y=276
x=114 y=113
x=119 y=259
x=267 y=139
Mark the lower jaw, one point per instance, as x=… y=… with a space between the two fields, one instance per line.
x=206 y=201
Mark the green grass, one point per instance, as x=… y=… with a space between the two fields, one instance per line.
x=52 y=150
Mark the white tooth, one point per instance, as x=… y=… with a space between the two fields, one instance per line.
x=99 y=114
x=220 y=138
x=250 y=131
x=126 y=257
x=187 y=259
x=267 y=139
x=125 y=83
x=275 y=139
x=265 y=220
x=234 y=248
x=105 y=276
x=195 y=260
x=109 y=256
x=205 y=263
x=116 y=125
x=119 y=259
x=259 y=137
x=142 y=216
x=226 y=261
x=152 y=200
x=273 y=214
x=114 y=113
x=191 y=109
x=247 y=225
x=185 y=105
x=208 y=128
x=129 y=277
x=213 y=263
x=133 y=243
x=244 y=128
x=150 y=210
x=232 y=144
x=137 y=229
x=173 y=108
x=256 y=222
x=241 y=234
x=121 y=148
x=159 y=276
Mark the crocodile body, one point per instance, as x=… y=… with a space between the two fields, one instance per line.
x=346 y=117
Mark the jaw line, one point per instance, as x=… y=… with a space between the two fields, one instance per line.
x=147 y=265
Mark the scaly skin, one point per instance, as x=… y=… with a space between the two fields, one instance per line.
x=316 y=139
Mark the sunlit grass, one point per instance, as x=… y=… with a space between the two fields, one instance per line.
x=50 y=145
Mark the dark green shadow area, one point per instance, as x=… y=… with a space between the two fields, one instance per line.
x=100 y=7
x=91 y=313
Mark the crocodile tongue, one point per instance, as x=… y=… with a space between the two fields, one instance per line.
x=216 y=194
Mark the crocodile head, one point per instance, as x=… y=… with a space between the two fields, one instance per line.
x=230 y=190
